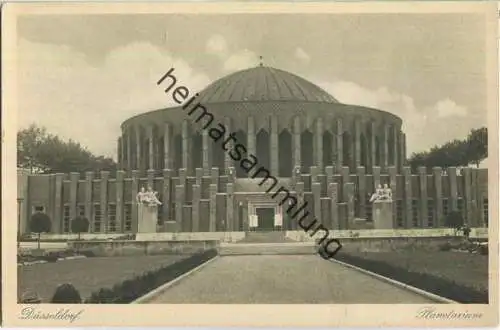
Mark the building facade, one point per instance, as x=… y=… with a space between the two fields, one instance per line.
x=325 y=153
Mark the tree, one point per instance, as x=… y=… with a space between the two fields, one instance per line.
x=478 y=145
x=471 y=150
x=79 y=225
x=454 y=220
x=41 y=152
x=40 y=223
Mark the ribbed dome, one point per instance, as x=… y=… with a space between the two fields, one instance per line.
x=263 y=83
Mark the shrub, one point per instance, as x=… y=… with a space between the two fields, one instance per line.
x=40 y=223
x=430 y=283
x=66 y=294
x=445 y=247
x=132 y=289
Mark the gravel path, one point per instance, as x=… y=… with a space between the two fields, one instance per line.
x=283 y=279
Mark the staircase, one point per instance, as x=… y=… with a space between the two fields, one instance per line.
x=267 y=243
x=265 y=237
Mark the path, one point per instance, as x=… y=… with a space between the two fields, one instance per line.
x=283 y=279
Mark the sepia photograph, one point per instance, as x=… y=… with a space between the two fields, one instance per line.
x=258 y=160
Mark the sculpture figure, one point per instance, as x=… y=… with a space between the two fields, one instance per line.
x=148 y=197
x=382 y=194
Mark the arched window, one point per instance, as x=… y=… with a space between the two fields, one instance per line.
x=285 y=154
x=306 y=150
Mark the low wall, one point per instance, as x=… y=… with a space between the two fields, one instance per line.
x=302 y=236
x=228 y=237
x=130 y=248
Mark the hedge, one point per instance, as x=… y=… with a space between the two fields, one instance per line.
x=430 y=283
x=130 y=290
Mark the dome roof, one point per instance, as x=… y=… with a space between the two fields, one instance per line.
x=263 y=83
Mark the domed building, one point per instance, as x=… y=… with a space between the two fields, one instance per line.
x=282 y=119
x=244 y=153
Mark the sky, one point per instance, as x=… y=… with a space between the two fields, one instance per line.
x=81 y=76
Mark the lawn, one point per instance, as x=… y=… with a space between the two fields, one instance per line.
x=87 y=275
x=460 y=270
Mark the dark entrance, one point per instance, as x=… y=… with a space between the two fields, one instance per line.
x=265 y=217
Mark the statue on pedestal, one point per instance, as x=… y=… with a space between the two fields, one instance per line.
x=149 y=197
x=382 y=194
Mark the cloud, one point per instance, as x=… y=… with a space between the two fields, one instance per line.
x=217 y=45
x=448 y=108
x=302 y=56
x=241 y=60
x=58 y=89
x=424 y=126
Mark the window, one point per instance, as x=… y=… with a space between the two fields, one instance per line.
x=66 y=219
x=485 y=211
x=128 y=217
x=112 y=218
x=369 y=210
x=38 y=208
x=430 y=213
x=399 y=213
x=80 y=210
x=414 y=213
x=446 y=207
x=97 y=218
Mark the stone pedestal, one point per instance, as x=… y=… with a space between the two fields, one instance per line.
x=147 y=217
x=170 y=226
x=382 y=214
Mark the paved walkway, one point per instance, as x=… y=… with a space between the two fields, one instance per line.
x=282 y=279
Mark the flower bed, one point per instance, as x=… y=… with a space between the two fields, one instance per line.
x=462 y=277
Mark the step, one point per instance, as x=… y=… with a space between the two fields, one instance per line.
x=293 y=248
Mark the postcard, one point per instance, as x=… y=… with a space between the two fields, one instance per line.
x=250 y=164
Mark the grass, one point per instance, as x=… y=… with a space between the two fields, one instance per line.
x=87 y=275
x=457 y=271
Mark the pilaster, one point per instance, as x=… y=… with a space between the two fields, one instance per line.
x=228 y=161
x=89 y=176
x=138 y=148
x=104 y=200
x=186 y=145
x=438 y=191
x=251 y=138
x=340 y=145
x=213 y=208
x=199 y=175
x=134 y=191
x=167 y=158
x=167 y=174
x=333 y=193
x=395 y=146
x=274 y=146
x=392 y=181
x=215 y=176
x=329 y=170
x=196 y=207
x=229 y=207
x=206 y=152
x=422 y=177
x=73 y=195
x=318 y=135
x=385 y=147
x=408 y=198
x=376 y=177
x=182 y=176
x=361 y=173
x=316 y=191
x=119 y=200
x=467 y=176
x=373 y=145
x=314 y=171
x=58 y=219
x=151 y=177
x=151 y=152
x=129 y=149
x=119 y=152
x=452 y=179
x=179 y=203
x=357 y=143
x=296 y=142
x=349 y=199
x=299 y=188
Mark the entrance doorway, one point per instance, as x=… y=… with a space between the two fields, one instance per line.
x=265 y=218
